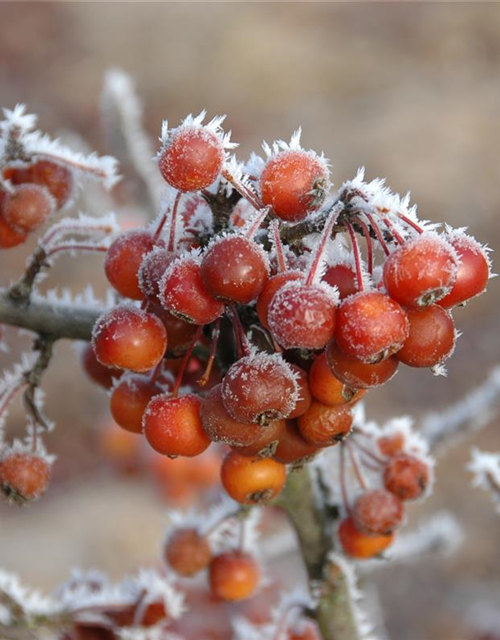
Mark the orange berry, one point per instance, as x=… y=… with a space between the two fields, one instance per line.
x=252 y=480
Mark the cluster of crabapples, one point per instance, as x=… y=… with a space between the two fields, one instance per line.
x=328 y=328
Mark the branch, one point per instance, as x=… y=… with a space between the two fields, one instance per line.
x=334 y=612
x=52 y=319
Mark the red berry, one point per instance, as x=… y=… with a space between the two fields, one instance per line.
x=123 y=261
x=360 y=545
x=304 y=395
x=57 y=178
x=184 y=294
x=97 y=372
x=259 y=388
x=128 y=338
x=252 y=480
x=235 y=269
x=302 y=316
x=130 y=398
x=220 y=426
x=292 y=448
x=377 y=512
x=192 y=158
x=421 y=271
x=179 y=332
x=323 y=425
x=343 y=277
x=473 y=271
x=356 y=374
x=294 y=183
x=266 y=443
x=391 y=444
x=234 y=575
x=406 y=476
x=268 y=292
x=306 y=631
x=9 y=237
x=328 y=389
x=23 y=476
x=370 y=326
x=431 y=339
x=151 y=271
x=172 y=425
x=27 y=208
x=187 y=552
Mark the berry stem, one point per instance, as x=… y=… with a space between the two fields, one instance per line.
x=410 y=222
x=9 y=396
x=76 y=247
x=211 y=358
x=343 y=487
x=173 y=223
x=397 y=236
x=378 y=233
x=314 y=269
x=357 y=470
x=369 y=244
x=357 y=255
x=258 y=220
x=243 y=190
x=367 y=452
x=278 y=246
x=185 y=360
x=242 y=344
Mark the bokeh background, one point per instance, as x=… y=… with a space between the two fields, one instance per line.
x=412 y=92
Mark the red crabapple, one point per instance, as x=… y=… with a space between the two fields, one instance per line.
x=421 y=271
x=151 y=271
x=361 y=545
x=57 y=178
x=252 y=480
x=259 y=388
x=343 y=277
x=431 y=339
x=184 y=295
x=27 y=208
x=377 y=512
x=123 y=261
x=129 y=338
x=172 y=425
x=266 y=443
x=304 y=398
x=23 y=476
x=328 y=389
x=130 y=398
x=97 y=372
x=268 y=292
x=187 y=552
x=292 y=448
x=323 y=425
x=294 y=183
x=406 y=476
x=234 y=575
x=356 y=374
x=192 y=158
x=9 y=237
x=370 y=326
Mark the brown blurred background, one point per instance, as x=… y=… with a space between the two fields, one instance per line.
x=411 y=91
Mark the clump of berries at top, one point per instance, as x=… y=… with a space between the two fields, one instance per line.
x=301 y=300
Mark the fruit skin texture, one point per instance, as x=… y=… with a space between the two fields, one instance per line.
x=360 y=545
x=343 y=277
x=187 y=552
x=235 y=269
x=97 y=372
x=55 y=177
x=192 y=158
x=27 y=208
x=356 y=374
x=431 y=339
x=124 y=259
x=391 y=444
x=328 y=389
x=259 y=389
x=151 y=271
x=129 y=400
x=323 y=425
x=220 y=426
x=302 y=317
x=473 y=271
x=9 y=238
x=293 y=184
x=292 y=448
x=377 y=512
x=268 y=292
x=184 y=295
x=421 y=271
x=172 y=425
x=406 y=476
x=266 y=443
x=128 y=338
x=304 y=400
x=252 y=480
x=370 y=326
x=23 y=476
x=234 y=575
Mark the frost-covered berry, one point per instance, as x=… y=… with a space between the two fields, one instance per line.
x=356 y=374
x=152 y=270
x=421 y=271
x=406 y=476
x=294 y=183
x=252 y=480
x=9 y=237
x=129 y=338
x=377 y=512
x=360 y=545
x=323 y=425
x=234 y=575
x=328 y=389
x=192 y=158
x=293 y=448
x=129 y=400
x=259 y=388
x=272 y=286
x=187 y=552
x=370 y=326
x=24 y=476
x=57 y=178
x=28 y=207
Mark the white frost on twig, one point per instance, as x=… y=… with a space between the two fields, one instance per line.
x=485 y=467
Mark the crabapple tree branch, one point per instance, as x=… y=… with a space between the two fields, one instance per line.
x=52 y=319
